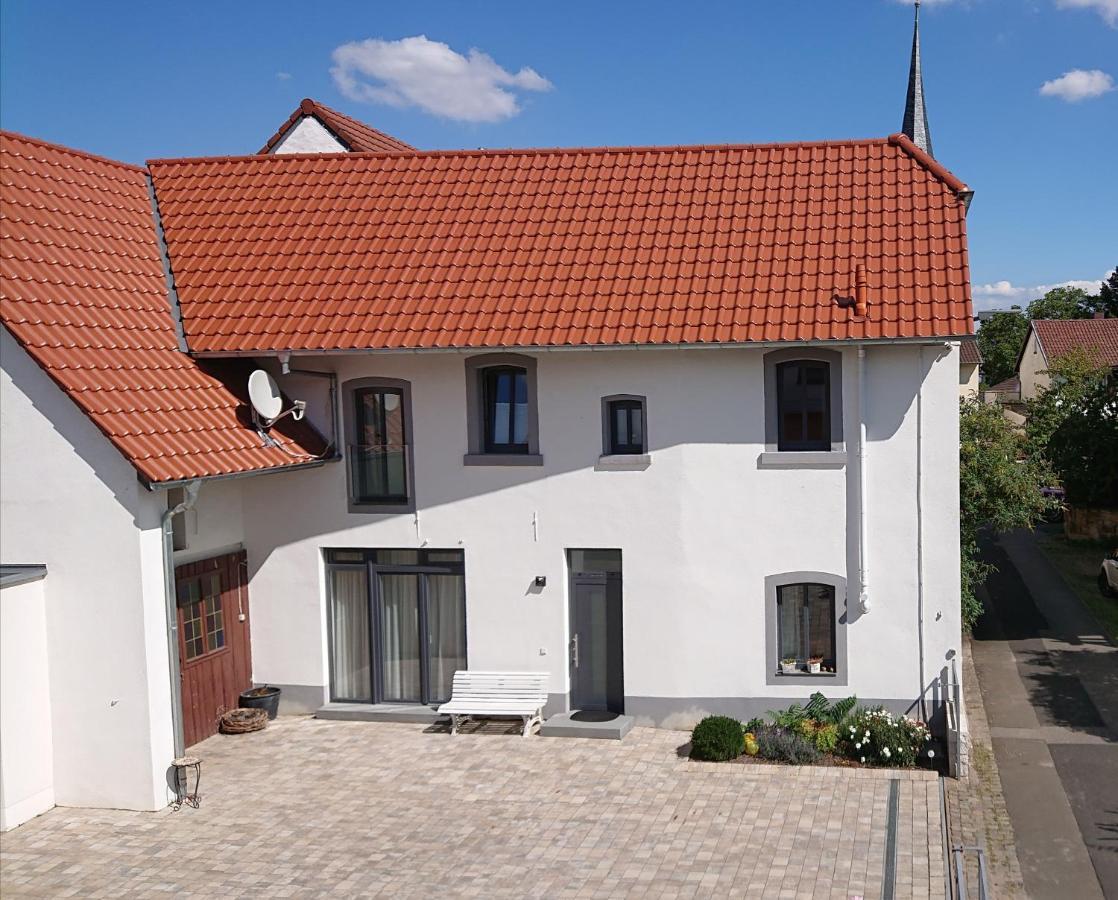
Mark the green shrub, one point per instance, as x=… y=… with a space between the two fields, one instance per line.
x=876 y=737
x=753 y=724
x=717 y=738
x=818 y=709
x=783 y=745
x=824 y=735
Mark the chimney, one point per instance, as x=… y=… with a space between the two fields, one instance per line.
x=860 y=289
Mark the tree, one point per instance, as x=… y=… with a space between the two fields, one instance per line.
x=1062 y=303
x=1107 y=300
x=1074 y=423
x=1000 y=340
x=999 y=487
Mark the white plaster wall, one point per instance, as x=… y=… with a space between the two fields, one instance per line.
x=26 y=762
x=214 y=526
x=699 y=530
x=1033 y=370
x=308 y=135
x=69 y=499
x=968 y=380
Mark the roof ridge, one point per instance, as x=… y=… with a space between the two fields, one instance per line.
x=329 y=117
x=528 y=151
x=929 y=162
x=73 y=151
x=315 y=104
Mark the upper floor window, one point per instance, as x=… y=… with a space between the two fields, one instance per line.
x=803 y=405
x=379 y=425
x=501 y=415
x=506 y=409
x=624 y=432
x=803 y=400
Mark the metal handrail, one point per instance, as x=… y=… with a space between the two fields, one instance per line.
x=959 y=852
x=363 y=454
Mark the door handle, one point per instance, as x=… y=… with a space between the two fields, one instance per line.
x=574 y=651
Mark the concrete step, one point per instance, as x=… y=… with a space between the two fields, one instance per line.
x=379 y=712
x=587 y=725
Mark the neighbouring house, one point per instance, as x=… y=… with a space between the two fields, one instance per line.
x=1049 y=339
x=970 y=359
x=650 y=420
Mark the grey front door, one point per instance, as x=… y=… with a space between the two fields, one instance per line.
x=596 y=642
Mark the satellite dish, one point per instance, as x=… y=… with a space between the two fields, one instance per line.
x=264 y=395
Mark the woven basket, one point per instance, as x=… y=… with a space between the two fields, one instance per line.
x=242 y=721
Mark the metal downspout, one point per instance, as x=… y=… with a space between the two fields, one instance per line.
x=190 y=495
x=863 y=555
x=920 y=531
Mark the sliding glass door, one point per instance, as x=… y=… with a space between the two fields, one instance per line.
x=409 y=607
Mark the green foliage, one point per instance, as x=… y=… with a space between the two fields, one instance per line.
x=1107 y=300
x=999 y=486
x=817 y=709
x=1062 y=303
x=1074 y=422
x=753 y=724
x=717 y=738
x=785 y=745
x=790 y=718
x=1000 y=340
x=823 y=735
x=879 y=738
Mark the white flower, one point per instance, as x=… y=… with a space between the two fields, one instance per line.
x=857 y=746
x=899 y=750
x=863 y=759
x=931 y=753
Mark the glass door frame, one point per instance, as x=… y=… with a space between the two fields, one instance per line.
x=373 y=571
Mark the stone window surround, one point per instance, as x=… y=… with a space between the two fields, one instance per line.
x=772 y=359
x=349 y=416
x=475 y=412
x=773 y=675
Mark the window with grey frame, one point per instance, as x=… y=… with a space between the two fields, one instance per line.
x=806 y=623
x=626 y=427
x=505 y=398
x=379 y=455
x=803 y=400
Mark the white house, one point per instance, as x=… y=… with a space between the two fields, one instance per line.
x=649 y=420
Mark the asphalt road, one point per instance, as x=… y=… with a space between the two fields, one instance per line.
x=1049 y=681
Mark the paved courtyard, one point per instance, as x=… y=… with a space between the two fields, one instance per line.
x=311 y=807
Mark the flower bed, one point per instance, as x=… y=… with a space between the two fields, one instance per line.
x=818 y=733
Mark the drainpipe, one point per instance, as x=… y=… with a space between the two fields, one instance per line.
x=863 y=555
x=190 y=495
x=920 y=530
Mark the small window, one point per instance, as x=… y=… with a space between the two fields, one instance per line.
x=505 y=394
x=378 y=434
x=804 y=405
x=806 y=628
x=626 y=427
x=201 y=615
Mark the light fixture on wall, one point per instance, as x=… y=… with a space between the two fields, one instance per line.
x=541 y=581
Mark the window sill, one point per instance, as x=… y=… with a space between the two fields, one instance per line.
x=802 y=459
x=502 y=459
x=623 y=462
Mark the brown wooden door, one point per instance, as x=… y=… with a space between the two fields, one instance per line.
x=215 y=655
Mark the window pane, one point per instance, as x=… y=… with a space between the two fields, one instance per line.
x=595 y=561
x=215 y=618
x=506 y=408
x=636 y=429
x=349 y=636
x=399 y=639
x=803 y=397
x=821 y=623
x=192 y=634
x=444 y=556
x=790 y=604
x=446 y=630
x=520 y=411
x=620 y=426
x=380 y=457
x=397 y=557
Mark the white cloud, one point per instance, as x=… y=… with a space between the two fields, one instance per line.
x=1004 y=294
x=283 y=76
x=1078 y=84
x=416 y=71
x=1108 y=9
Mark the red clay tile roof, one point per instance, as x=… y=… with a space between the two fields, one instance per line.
x=1011 y=385
x=1060 y=336
x=82 y=290
x=969 y=354
x=527 y=248
x=355 y=135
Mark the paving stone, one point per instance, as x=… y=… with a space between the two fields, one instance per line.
x=312 y=808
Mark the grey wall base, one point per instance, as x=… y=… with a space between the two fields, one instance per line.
x=299 y=699
x=683 y=713
x=415 y=713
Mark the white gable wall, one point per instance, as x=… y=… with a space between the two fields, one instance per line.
x=308 y=135
x=69 y=500
x=1033 y=370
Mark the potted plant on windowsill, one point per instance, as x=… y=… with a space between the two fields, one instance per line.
x=815 y=664
x=788 y=667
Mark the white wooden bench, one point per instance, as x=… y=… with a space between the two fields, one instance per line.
x=483 y=694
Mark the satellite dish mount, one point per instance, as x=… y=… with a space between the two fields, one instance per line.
x=267 y=402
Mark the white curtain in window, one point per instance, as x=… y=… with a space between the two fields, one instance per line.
x=446 y=611
x=399 y=640
x=350 y=637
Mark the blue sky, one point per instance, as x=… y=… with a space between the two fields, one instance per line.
x=137 y=81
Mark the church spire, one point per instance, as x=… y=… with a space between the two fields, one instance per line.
x=915 y=114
